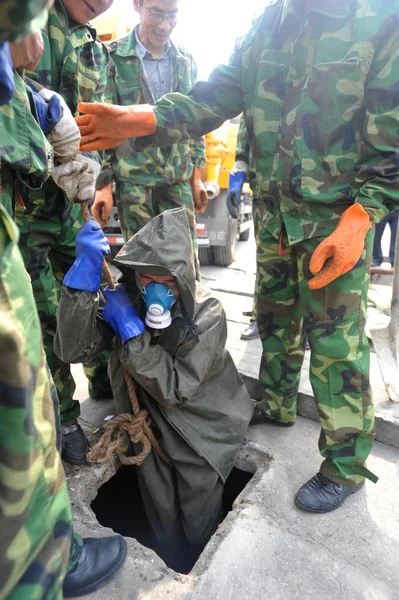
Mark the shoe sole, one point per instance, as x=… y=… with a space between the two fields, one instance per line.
x=306 y=509
x=89 y=589
x=249 y=337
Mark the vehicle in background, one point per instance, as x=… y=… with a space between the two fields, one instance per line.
x=217 y=231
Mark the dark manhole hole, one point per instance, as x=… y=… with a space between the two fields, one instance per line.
x=118 y=505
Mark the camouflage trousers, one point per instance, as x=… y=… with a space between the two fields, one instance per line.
x=138 y=204
x=35 y=515
x=258 y=208
x=333 y=319
x=47 y=243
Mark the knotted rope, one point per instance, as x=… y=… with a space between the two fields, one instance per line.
x=126 y=428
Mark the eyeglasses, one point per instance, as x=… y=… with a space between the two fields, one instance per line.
x=158 y=17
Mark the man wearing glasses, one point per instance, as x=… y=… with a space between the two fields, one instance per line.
x=145 y=66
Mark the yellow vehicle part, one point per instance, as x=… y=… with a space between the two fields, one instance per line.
x=220 y=155
x=110 y=28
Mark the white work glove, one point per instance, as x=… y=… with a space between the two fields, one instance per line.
x=78 y=178
x=65 y=136
x=240 y=166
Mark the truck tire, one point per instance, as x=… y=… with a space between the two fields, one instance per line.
x=223 y=256
x=205 y=255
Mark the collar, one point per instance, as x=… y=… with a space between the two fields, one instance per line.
x=71 y=25
x=129 y=46
x=142 y=51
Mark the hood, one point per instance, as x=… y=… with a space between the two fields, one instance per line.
x=164 y=247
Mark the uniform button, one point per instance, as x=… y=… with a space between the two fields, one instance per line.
x=292 y=238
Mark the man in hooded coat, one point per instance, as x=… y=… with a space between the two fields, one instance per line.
x=184 y=376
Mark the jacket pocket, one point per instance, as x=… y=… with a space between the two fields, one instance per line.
x=335 y=91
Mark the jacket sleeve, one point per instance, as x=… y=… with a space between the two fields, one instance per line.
x=110 y=96
x=197 y=145
x=24 y=149
x=81 y=333
x=207 y=106
x=376 y=185
x=173 y=381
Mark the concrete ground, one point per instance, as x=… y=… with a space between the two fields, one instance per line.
x=266 y=547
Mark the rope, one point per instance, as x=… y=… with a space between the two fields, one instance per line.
x=126 y=428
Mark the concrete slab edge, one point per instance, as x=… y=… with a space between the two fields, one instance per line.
x=386 y=423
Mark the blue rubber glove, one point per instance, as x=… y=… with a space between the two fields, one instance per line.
x=236 y=181
x=120 y=313
x=6 y=74
x=91 y=248
x=49 y=113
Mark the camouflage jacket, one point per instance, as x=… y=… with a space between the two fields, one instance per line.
x=244 y=152
x=319 y=93
x=25 y=155
x=74 y=64
x=21 y=17
x=35 y=516
x=127 y=84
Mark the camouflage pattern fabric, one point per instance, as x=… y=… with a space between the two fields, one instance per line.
x=24 y=151
x=139 y=204
x=333 y=319
x=35 y=520
x=73 y=64
x=318 y=90
x=320 y=103
x=146 y=176
x=21 y=17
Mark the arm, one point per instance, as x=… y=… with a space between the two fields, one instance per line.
x=81 y=333
x=376 y=185
x=174 y=381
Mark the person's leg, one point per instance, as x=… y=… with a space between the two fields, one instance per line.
x=252 y=332
x=135 y=207
x=335 y=319
x=176 y=196
x=378 y=256
x=393 y=224
x=39 y=233
x=280 y=323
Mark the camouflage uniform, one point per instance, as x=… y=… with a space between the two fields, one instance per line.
x=244 y=153
x=319 y=95
x=35 y=516
x=155 y=180
x=19 y=18
x=73 y=64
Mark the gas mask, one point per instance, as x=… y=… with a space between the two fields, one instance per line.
x=158 y=299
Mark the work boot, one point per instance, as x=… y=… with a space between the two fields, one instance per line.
x=320 y=495
x=98 y=562
x=251 y=332
x=260 y=417
x=74 y=443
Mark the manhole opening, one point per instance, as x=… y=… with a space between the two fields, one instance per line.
x=118 y=505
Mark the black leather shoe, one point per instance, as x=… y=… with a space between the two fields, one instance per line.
x=251 y=332
x=74 y=443
x=320 y=495
x=99 y=560
x=260 y=417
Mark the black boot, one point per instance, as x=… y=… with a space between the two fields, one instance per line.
x=320 y=495
x=260 y=417
x=99 y=560
x=251 y=332
x=74 y=443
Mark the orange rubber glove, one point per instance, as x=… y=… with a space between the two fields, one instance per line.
x=200 y=196
x=104 y=126
x=344 y=247
x=102 y=205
